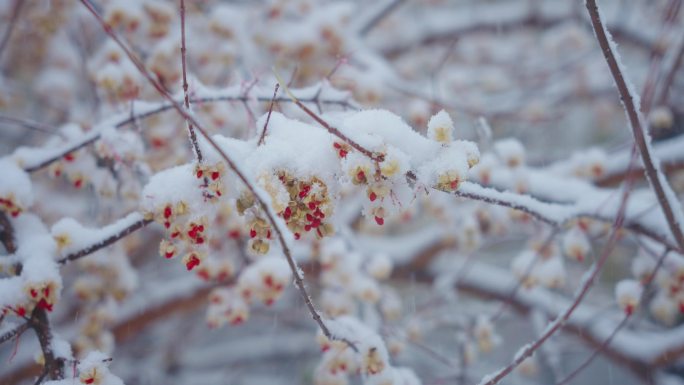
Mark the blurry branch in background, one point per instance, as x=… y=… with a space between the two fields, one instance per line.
x=127 y=118
x=193 y=136
x=647 y=285
x=377 y=15
x=16 y=9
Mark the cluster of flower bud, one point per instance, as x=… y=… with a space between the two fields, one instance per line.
x=15 y=193
x=309 y=206
x=264 y=281
x=575 y=244
x=667 y=303
x=540 y=264
x=94 y=370
x=348 y=277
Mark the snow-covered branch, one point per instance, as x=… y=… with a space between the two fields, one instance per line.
x=631 y=102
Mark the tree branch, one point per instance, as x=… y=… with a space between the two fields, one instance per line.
x=54 y=366
x=658 y=182
x=137 y=225
x=126 y=119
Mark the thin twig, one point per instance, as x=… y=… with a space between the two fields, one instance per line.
x=268 y=118
x=299 y=282
x=30 y=125
x=193 y=136
x=660 y=186
x=14 y=332
x=331 y=129
x=670 y=76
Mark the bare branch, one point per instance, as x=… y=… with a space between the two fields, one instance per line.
x=268 y=118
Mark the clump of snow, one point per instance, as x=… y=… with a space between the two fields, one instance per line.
x=441 y=127
x=628 y=294
x=576 y=244
x=16 y=194
x=94 y=369
x=510 y=151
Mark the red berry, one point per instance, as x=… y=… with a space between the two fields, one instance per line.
x=193 y=262
x=199 y=173
x=379 y=221
x=337 y=145
x=43 y=304
x=252 y=233
x=204 y=274
x=214 y=175
x=167 y=212
x=297 y=236
x=372 y=196
x=343 y=153
x=69 y=157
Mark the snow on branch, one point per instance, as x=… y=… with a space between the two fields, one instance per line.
x=76 y=241
x=35 y=158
